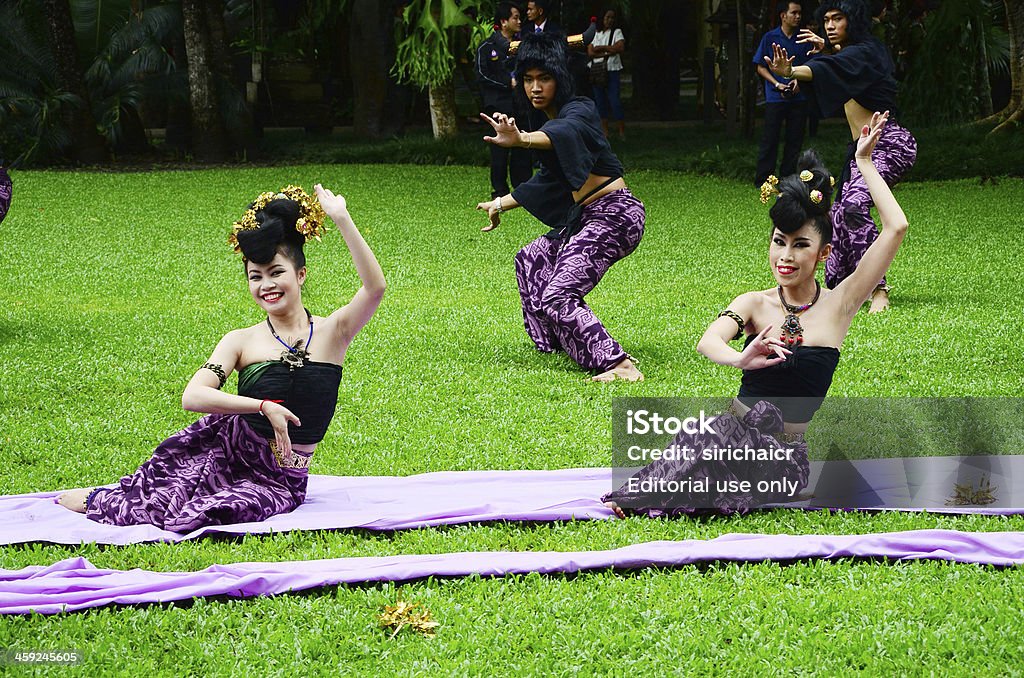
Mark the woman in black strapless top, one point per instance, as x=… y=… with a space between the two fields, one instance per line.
x=794 y=332
x=248 y=458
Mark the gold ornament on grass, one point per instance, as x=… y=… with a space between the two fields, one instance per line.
x=769 y=188
x=412 y=615
x=311 y=215
x=964 y=494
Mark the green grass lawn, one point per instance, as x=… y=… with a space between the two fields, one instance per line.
x=118 y=286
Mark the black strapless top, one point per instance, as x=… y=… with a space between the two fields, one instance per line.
x=310 y=392
x=797 y=387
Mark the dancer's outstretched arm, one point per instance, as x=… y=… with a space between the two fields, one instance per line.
x=353 y=316
x=508 y=135
x=876 y=261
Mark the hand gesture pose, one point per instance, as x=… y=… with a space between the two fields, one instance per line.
x=817 y=42
x=279 y=417
x=781 y=63
x=763 y=351
x=869 y=135
x=492 y=214
x=506 y=134
x=332 y=204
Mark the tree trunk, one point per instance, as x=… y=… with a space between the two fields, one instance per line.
x=371 y=50
x=208 y=138
x=444 y=119
x=1013 y=114
x=240 y=128
x=86 y=143
x=983 y=88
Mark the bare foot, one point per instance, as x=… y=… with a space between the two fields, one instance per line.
x=619 y=513
x=74 y=499
x=625 y=370
x=879 y=301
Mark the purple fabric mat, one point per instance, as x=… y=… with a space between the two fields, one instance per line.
x=75 y=584
x=453 y=497
x=338 y=502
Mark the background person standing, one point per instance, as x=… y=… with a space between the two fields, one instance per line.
x=494 y=69
x=606 y=57
x=784 y=103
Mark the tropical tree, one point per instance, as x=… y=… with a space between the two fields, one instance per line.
x=86 y=143
x=1013 y=115
x=209 y=140
x=372 y=46
x=963 y=41
x=426 y=56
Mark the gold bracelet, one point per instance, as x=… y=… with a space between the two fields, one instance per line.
x=529 y=140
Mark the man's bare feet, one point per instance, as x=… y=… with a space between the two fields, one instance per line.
x=625 y=370
x=879 y=300
x=619 y=513
x=74 y=499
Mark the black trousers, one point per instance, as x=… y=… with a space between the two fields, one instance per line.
x=508 y=163
x=794 y=115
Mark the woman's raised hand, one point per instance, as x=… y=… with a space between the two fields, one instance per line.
x=763 y=351
x=332 y=204
x=817 y=42
x=781 y=63
x=506 y=134
x=869 y=135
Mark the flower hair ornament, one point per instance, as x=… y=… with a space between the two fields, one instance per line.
x=771 y=187
x=311 y=215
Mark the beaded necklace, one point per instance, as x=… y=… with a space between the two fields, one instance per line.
x=792 y=332
x=294 y=356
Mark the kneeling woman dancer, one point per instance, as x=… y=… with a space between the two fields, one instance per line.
x=580 y=193
x=785 y=374
x=248 y=458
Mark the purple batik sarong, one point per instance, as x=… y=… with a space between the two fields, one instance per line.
x=215 y=472
x=759 y=428
x=853 y=229
x=6 y=191
x=555 y=275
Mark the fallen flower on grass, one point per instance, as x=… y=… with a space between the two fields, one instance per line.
x=413 y=615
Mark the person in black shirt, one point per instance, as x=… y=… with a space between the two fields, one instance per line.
x=579 y=192
x=497 y=88
x=853 y=73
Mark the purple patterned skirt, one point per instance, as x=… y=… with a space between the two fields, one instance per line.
x=554 y=277
x=760 y=428
x=214 y=472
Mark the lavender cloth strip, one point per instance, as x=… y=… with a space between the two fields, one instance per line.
x=75 y=584
x=454 y=497
x=340 y=502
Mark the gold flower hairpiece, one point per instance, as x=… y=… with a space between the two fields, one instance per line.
x=769 y=188
x=311 y=215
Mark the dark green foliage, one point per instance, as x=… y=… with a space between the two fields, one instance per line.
x=946 y=80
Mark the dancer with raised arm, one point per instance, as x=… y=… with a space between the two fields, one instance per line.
x=248 y=459
x=853 y=72
x=579 y=192
x=793 y=334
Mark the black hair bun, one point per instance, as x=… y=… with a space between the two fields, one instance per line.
x=276 y=226
x=804 y=196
